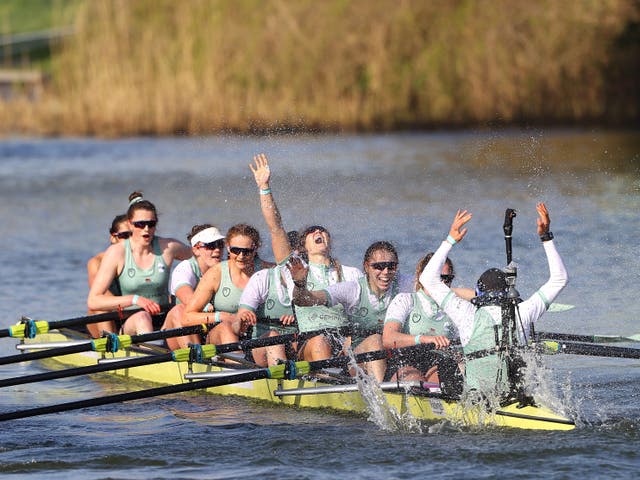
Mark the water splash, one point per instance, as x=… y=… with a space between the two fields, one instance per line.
x=385 y=416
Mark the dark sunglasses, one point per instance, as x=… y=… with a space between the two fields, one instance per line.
x=145 y=223
x=447 y=278
x=244 y=251
x=392 y=266
x=123 y=235
x=213 y=245
x=312 y=229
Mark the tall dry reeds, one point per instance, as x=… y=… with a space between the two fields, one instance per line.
x=200 y=66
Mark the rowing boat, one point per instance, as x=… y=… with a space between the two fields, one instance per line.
x=418 y=400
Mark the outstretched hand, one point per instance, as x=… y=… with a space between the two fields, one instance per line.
x=543 y=218
x=298 y=269
x=261 y=170
x=456 y=231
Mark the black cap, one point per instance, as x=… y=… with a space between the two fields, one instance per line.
x=493 y=280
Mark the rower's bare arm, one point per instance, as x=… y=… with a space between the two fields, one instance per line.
x=205 y=290
x=270 y=212
x=466 y=293
x=100 y=298
x=184 y=294
x=179 y=251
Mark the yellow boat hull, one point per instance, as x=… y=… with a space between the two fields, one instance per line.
x=418 y=406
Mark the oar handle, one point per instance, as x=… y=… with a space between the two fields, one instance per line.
x=16 y=331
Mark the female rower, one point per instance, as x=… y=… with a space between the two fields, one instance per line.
x=217 y=295
x=207 y=245
x=141 y=264
x=479 y=321
x=266 y=303
x=415 y=318
x=314 y=246
x=118 y=232
x=365 y=300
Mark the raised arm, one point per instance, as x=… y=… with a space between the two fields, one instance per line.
x=458 y=309
x=558 y=277
x=270 y=212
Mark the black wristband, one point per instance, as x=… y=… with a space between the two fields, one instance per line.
x=545 y=237
x=300 y=283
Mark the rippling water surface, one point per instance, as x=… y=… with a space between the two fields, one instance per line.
x=58 y=197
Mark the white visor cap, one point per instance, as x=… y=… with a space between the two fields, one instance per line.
x=208 y=235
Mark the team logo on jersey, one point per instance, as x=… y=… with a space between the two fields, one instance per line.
x=131 y=272
x=270 y=304
x=160 y=267
x=416 y=317
x=311 y=286
x=226 y=291
x=361 y=312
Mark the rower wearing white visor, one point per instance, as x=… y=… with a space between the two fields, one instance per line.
x=207 y=244
x=479 y=321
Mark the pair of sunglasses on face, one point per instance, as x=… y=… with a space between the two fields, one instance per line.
x=312 y=229
x=213 y=245
x=141 y=224
x=244 y=251
x=122 y=235
x=447 y=279
x=380 y=266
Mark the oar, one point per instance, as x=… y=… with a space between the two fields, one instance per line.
x=591 y=349
x=289 y=370
x=560 y=307
x=197 y=353
x=29 y=327
x=110 y=343
x=573 y=337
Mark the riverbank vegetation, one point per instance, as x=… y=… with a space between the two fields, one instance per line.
x=204 y=66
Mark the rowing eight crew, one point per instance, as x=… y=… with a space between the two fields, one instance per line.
x=309 y=285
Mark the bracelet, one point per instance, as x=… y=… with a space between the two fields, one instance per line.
x=205 y=329
x=265 y=191
x=451 y=240
x=134 y=301
x=417 y=339
x=208 y=308
x=216 y=317
x=545 y=237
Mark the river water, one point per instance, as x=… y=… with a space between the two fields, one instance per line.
x=57 y=199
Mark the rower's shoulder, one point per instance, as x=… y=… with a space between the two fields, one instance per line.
x=351 y=274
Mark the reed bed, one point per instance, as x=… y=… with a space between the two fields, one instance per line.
x=201 y=66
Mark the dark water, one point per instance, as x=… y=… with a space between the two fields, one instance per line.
x=57 y=199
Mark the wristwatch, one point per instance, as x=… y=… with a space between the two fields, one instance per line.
x=545 y=237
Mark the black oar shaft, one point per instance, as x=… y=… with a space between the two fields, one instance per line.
x=88 y=346
x=566 y=337
x=125 y=397
x=599 y=350
x=26 y=357
x=74 y=372
x=88 y=319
